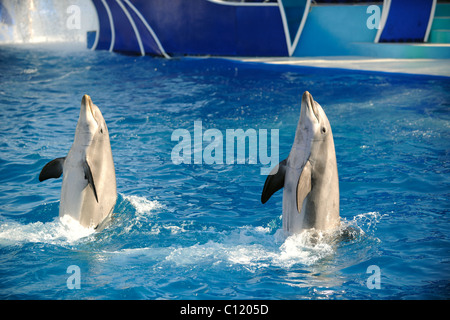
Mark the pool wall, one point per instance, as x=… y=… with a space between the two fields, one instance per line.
x=296 y=28
x=253 y=28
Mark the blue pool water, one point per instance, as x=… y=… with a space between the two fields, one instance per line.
x=199 y=231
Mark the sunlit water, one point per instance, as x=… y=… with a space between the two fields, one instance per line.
x=199 y=231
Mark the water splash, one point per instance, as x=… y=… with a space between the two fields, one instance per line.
x=259 y=247
x=46 y=21
x=142 y=205
x=60 y=231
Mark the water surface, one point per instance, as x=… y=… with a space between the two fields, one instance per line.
x=199 y=231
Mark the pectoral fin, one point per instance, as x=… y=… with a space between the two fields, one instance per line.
x=53 y=169
x=89 y=177
x=304 y=185
x=274 y=181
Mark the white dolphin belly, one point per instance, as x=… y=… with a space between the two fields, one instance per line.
x=72 y=192
x=292 y=220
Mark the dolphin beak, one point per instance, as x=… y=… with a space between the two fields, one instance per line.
x=308 y=101
x=87 y=102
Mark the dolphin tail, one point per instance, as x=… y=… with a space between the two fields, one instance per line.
x=274 y=181
x=53 y=169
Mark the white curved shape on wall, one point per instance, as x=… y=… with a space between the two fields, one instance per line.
x=144 y=21
x=133 y=25
x=111 y=25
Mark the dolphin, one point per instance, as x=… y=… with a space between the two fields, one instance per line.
x=88 y=191
x=309 y=174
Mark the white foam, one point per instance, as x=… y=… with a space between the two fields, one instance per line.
x=255 y=247
x=365 y=222
x=251 y=257
x=72 y=230
x=307 y=247
x=144 y=212
x=142 y=204
x=63 y=230
x=177 y=229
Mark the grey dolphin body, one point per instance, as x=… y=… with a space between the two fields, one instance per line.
x=88 y=192
x=309 y=175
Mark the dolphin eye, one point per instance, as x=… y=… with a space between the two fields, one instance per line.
x=101 y=130
x=324 y=130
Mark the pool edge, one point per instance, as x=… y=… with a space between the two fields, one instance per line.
x=412 y=67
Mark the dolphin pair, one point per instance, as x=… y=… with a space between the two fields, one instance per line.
x=309 y=174
x=88 y=192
